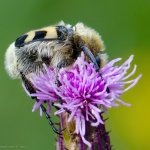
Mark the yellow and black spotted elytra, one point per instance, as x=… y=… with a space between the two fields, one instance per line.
x=44 y=34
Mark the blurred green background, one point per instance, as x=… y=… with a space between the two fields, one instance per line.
x=125 y=29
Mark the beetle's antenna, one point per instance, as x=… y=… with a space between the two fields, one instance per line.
x=88 y=52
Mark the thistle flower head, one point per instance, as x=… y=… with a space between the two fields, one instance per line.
x=43 y=83
x=83 y=91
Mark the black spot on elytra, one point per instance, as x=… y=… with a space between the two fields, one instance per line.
x=39 y=35
x=62 y=32
x=20 y=41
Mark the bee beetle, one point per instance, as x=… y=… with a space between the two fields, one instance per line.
x=56 y=46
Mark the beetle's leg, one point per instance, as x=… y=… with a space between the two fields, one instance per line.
x=30 y=89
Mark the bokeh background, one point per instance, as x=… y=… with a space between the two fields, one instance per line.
x=125 y=29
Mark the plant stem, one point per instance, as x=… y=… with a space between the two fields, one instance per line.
x=98 y=136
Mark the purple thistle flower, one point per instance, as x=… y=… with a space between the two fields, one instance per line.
x=44 y=89
x=83 y=91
